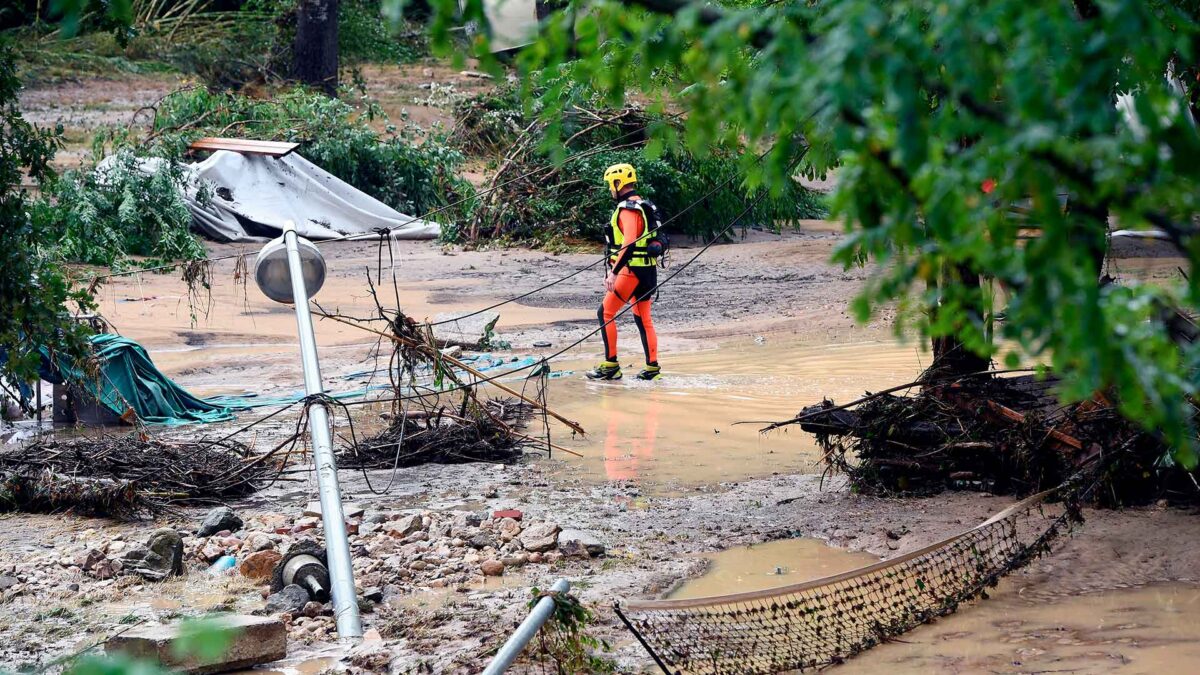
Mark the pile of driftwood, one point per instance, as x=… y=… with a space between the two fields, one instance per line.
x=999 y=434
x=125 y=476
x=446 y=437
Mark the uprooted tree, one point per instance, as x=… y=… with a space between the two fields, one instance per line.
x=940 y=118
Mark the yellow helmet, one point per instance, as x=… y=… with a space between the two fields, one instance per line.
x=618 y=176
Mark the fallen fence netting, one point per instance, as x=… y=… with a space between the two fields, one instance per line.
x=822 y=622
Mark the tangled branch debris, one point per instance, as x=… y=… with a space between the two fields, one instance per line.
x=125 y=477
x=445 y=437
x=1001 y=435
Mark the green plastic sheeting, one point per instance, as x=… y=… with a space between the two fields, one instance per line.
x=129 y=379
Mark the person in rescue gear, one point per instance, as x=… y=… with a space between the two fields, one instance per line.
x=632 y=272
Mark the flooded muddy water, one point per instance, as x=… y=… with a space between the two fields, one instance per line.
x=771 y=564
x=1153 y=629
x=680 y=431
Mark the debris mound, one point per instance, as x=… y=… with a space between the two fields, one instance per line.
x=124 y=477
x=472 y=433
x=1004 y=435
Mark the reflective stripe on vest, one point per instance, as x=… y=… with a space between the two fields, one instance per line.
x=641 y=251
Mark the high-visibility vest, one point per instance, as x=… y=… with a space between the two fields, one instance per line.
x=614 y=239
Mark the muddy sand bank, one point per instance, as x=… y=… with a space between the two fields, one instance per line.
x=752 y=331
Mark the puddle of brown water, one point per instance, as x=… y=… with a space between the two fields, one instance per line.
x=1153 y=629
x=680 y=430
x=774 y=563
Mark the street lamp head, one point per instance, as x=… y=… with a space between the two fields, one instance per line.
x=273 y=274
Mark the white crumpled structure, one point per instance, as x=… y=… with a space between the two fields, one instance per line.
x=252 y=196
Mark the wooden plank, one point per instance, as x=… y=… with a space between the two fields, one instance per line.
x=245 y=146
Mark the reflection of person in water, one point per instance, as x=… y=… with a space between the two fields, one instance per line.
x=623 y=450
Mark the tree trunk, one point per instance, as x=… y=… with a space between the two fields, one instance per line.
x=315 y=52
x=950 y=357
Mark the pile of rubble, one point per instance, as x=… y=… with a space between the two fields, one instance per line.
x=398 y=556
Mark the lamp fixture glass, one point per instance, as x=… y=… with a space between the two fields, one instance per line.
x=273 y=275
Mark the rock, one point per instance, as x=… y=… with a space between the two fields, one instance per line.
x=251 y=640
x=471 y=520
x=540 y=537
x=7 y=583
x=290 y=599
x=508 y=529
x=311 y=609
x=492 y=568
x=259 y=565
x=349 y=510
x=482 y=540
x=257 y=541
x=580 y=544
x=403 y=527
x=508 y=513
x=516 y=560
x=103 y=570
x=212 y=551
x=160 y=558
x=535 y=558
x=220 y=518
x=374 y=594
x=90 y=558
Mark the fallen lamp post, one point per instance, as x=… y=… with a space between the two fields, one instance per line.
x=516 y=643
x=291 y=269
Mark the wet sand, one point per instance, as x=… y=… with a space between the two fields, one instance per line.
x=667 y=478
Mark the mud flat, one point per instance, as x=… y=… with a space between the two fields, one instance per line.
x=753 y=331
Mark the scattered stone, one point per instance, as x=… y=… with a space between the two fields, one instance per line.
x=508 y=513
x=579 y=543
x=482 y=540
x=516 y=560
x=251 y=640
x=290 y=599
x=374 y=594
x=160 y=558
x=220 y=518
x=259 y=565
x=403 y=527
x=311 y=609
x=535 y=558
x=257 y=541
x=508 y=529
x=90 y=558
x=540 y=537
x=7 y=583
x=492 y=568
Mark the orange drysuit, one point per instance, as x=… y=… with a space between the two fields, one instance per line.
x=634 y=285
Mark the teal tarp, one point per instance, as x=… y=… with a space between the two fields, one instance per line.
x=129 y=379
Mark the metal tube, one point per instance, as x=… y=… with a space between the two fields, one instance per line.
x=337 y=546
x=525 y=632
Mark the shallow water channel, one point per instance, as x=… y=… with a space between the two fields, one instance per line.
x=682 y=430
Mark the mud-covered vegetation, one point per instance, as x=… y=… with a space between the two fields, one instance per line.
x=401 y=167
x=550 y=190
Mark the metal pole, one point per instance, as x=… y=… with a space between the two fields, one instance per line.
x=337 y=547
x=525 y=632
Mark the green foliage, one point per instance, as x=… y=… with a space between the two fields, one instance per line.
x=549 y=192
x=35 y=290
x=565 y=641
x=364 y=37
x=104 y=215
x=920 y=103
x=397 y=167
